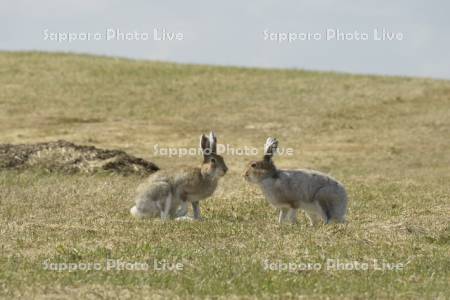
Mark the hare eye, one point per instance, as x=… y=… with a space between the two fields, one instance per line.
x=253 y=165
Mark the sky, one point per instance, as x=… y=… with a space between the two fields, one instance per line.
x=406 y=38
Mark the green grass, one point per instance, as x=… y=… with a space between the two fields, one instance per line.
x=386 y=138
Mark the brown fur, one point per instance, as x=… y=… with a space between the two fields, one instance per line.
x=165 y=191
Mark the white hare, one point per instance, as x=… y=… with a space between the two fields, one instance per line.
x=166 y=193
x=322 y=197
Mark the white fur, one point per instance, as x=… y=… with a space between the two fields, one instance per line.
x=322 y=197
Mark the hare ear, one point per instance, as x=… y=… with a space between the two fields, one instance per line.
x=204 y=144
x=270 y=147
x=213 y=142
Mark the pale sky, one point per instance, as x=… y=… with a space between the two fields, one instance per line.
x=232 y=32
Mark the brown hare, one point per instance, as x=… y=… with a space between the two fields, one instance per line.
x=166 y=193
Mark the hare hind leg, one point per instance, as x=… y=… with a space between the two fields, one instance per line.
x=316 y=214
x=150 y=210
x=333 y=201
x=150 y=200
x=166 y=207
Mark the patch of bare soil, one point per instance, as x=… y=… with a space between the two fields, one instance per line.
x=66 y=157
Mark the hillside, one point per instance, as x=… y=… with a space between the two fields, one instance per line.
x=386 y=138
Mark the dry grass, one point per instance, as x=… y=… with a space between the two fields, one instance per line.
x=386 y=139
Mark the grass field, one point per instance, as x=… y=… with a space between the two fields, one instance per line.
x=387 y=139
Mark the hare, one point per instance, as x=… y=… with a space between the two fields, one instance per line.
x=322 y=198
x=166 y=193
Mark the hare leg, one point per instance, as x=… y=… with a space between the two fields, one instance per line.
x=136 y=213
x=165 y=211
x=316 y=214
x=283 y=215
x=183 y=209
x=313 y=219
x=182 y=214
x=196 y=208
x=292 y=215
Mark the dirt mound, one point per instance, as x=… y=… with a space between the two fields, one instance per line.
x=66 y=157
